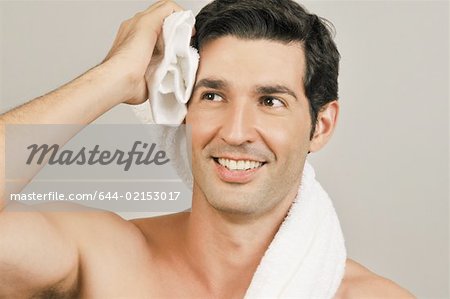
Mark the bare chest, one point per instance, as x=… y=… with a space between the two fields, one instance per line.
x=135 y=274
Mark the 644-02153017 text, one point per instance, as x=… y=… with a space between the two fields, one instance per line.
x=143 y=195
x=149 y=195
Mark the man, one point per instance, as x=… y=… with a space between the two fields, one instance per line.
x=249 y=93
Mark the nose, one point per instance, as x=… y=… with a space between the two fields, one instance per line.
x=238 y=124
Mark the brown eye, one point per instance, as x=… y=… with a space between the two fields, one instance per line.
x=210 y=96
x=271 y=102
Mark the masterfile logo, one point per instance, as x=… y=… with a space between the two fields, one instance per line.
x=148 y=155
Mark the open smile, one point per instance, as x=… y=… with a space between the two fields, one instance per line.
x=238 y=165
x=237 y=171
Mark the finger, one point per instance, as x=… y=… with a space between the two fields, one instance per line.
x=155 y=5
x=168 y=7
x=154 y=18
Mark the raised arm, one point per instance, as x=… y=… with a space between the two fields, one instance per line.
x=37 y=250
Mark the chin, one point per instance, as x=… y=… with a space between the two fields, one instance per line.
x=240 y=204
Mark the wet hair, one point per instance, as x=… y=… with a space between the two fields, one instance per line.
x=284 y=21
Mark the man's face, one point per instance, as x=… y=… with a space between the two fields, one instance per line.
x=250 y=124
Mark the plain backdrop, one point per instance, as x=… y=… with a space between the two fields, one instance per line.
x=386 y=167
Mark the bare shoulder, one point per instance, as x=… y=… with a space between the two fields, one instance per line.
x=84 y=223
x=161 y=228
x=360 y=282
x=59 y=236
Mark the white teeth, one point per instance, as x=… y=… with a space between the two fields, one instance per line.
x=239 y=165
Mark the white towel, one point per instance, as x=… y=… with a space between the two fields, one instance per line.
x=170 y=85
x=307 y=256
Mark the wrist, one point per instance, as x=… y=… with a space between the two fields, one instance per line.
x=123 y=85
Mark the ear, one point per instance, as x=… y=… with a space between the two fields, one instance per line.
x=326 y=122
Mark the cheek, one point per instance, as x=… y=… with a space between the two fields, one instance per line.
x=285 y=137
x=202 y=128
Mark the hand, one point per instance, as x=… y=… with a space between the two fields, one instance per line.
x=138 y=47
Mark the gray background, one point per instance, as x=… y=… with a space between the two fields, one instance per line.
x=386 y=168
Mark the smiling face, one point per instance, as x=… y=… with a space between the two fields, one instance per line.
x=250 y=124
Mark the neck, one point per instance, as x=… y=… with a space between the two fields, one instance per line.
x=227 y=248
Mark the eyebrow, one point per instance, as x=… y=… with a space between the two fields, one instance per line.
x=261 y=89
x=271 y=89
x=211 y=83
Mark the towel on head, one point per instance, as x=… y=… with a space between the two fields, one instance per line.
x=170 y=85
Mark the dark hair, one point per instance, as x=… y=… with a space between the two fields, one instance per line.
x=284 y=21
